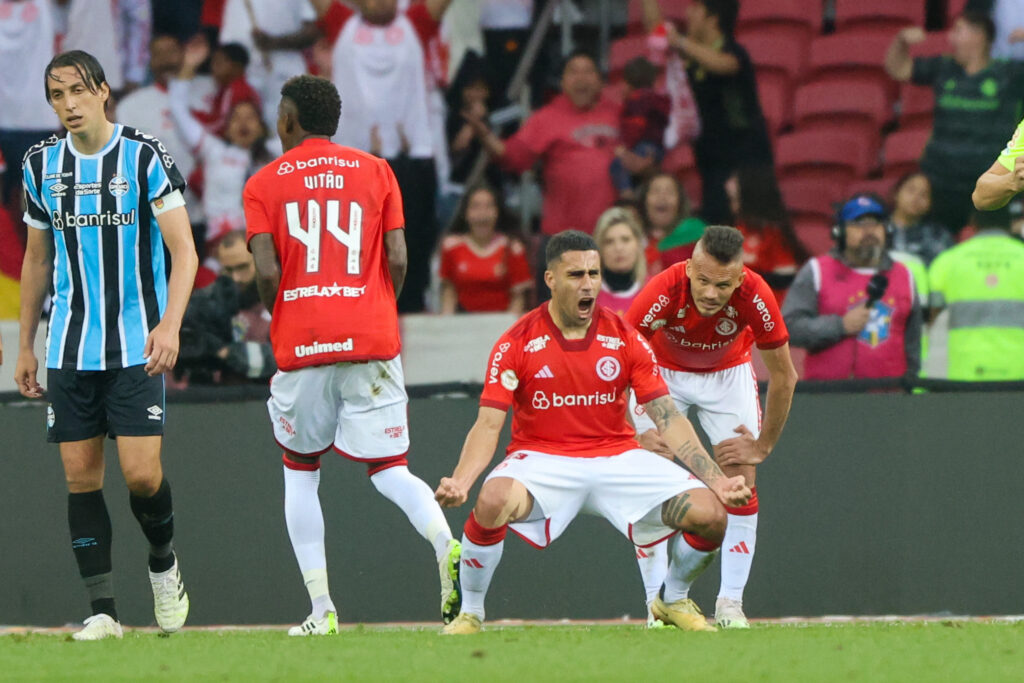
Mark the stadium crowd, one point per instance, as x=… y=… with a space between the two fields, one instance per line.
x=842 y=137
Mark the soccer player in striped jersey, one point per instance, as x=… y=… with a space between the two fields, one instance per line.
x=101 y=202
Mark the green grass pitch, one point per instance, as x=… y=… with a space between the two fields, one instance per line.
x=930 y=651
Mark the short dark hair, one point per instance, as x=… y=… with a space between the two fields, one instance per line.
x=722 y=243
x=640 y=72
x=998 y=219
x=980 y=20
x=726 y=11
x=231 y=237
x=234 y=52
x=567 y=240
x=580 y=52
x=87 y=66
x=317 y=102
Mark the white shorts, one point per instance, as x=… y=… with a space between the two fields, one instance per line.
x=725 y=400
x=626 y=489
x=359 y=408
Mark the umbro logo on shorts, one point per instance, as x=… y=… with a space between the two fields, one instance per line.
x=155 y=412
x=544 y=373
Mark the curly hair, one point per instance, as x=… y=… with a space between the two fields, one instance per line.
x=317 y=102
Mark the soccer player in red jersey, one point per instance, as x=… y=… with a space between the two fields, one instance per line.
x=701 y=317
x=565 y=369
x=326 y=229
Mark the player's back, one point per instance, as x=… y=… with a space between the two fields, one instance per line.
x=327 y=208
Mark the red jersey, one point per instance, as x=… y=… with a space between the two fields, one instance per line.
x=683 y=339
x=483 y=278
x=569 y=395
x=327 y=208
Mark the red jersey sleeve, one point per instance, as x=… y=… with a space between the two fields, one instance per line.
x=644 y=376
x=652 y=308
x=392 y=212
x=528 y=143
x=257 y=220
x=518 y=267
x=502 y=374
x=334 y=20
x=425 y=24
x=764 y=317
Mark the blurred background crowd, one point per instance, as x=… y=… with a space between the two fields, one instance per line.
x=855 y=128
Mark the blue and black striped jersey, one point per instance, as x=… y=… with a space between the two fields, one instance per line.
x=109 y=278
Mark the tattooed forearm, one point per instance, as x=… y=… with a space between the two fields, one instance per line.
x=676 y=431
x=661 y=410
x=674 y=510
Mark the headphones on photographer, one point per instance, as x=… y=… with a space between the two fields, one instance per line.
x=860 y=201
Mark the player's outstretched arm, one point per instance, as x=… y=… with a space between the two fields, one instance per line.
x=678 y=434
x=782 y=378
x=477 y=451
x=161 y=350
x=268 y=269
x=36 y=274
x=997 y=186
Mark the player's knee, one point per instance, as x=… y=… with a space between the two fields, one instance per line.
x=142 y=480
x=492 y=503
x=704 y=516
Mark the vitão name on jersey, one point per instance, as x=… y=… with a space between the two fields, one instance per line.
x=72 y=220
x=327 y=181
x=316 y=290
x=316 y=348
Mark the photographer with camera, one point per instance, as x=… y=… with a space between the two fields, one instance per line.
x=225 y=335
x=855 y=309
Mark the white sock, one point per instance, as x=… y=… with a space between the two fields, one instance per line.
x=416 y=500
x=686 y=565
x=305 y=521
x=737 y=555
x=478 y=565
x=653 y=563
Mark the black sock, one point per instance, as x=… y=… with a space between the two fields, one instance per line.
x=89 y=524
x=156 y=517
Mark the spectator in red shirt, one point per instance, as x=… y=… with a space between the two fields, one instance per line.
x=483 y=268
x=574 y=137
x=645 y=114
x=227 y=66
x=770 y=246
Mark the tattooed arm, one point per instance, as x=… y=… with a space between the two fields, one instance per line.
x=678 y=434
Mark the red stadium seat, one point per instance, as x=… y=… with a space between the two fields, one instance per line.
x=803 y=13
x=811 y=197
x=771 y=52
x=845 y=101
x=878 y=14
x=902 y=150
x=623 y=50
x=953 y=10
x=852 y=53
x=839 y=154
x=776 y=97
x=814 y=233
x=880 y=186
x=917 y=105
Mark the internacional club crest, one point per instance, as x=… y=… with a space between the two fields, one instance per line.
x=608 y=368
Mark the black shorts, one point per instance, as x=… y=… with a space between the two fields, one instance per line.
x=85 y=404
